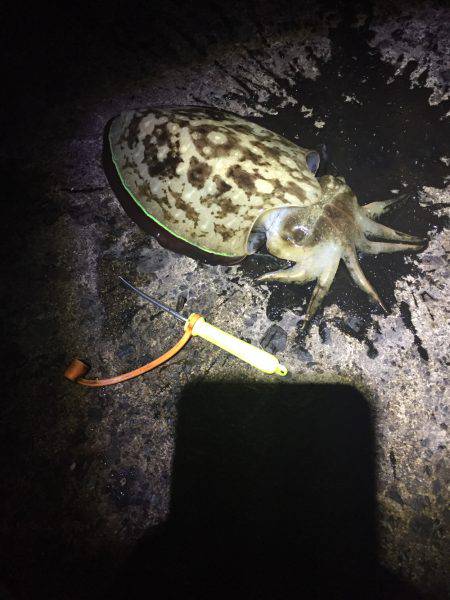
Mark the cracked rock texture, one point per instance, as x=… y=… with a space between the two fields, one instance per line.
x=88 y=472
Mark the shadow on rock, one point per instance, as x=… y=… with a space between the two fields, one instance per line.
x=272 y=497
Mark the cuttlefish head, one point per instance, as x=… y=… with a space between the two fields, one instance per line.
x=317 y=237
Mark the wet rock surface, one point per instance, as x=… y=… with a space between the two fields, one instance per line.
x=87 y=473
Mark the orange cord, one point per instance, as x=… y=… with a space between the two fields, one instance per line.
x=77 y=368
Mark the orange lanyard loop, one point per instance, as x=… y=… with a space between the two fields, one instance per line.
x=77 y=369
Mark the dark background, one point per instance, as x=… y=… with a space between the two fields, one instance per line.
x=273 y=487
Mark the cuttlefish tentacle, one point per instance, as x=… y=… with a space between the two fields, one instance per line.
x=369 y=247
x=354 y=268
x=322 y=288
x=372 y=229
x=375 y=210
x=295 y=274
x=312 y=262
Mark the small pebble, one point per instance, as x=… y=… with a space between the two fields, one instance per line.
x=274 y=340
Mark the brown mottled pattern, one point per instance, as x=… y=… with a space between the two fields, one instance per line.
x=206 y=174
x=129 y=135
x=227 y=207
x=167 y=166
x=223 y=231
x=166 y=213
x=244 y=179
x=144 y=189
x=205 y=148
x=209 y=201
x=188 y=210
x=295 y=189
x=198 y=172
x=253 y=157
x=268 y=150
x=221 y=185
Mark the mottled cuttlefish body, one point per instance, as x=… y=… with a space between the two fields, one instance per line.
x=207 y=181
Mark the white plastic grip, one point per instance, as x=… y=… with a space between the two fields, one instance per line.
x=258 y=358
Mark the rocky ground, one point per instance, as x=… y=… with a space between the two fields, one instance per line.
x=88 y=472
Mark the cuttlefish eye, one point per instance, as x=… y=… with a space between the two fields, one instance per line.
x=313 y=160
x=293 y=231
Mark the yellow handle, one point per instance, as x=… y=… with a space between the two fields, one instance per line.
x=260 y=359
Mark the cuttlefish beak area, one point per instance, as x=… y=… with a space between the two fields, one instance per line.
x=339 y=229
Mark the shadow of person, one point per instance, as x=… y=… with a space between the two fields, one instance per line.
x=272 y=497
